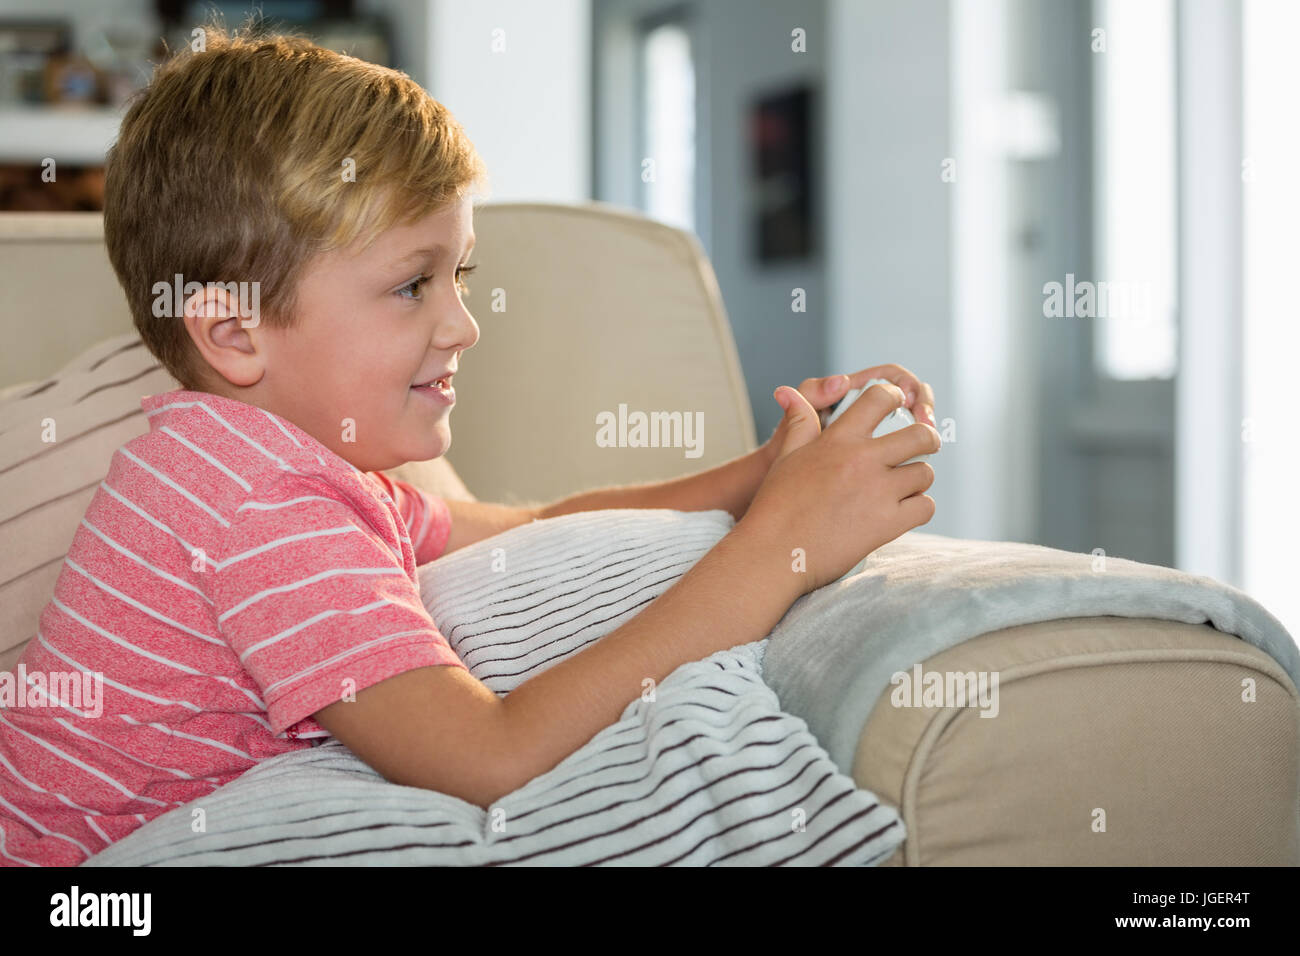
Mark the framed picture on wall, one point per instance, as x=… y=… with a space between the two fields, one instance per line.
x=781 y=200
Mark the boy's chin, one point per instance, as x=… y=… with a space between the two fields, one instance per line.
x=431 y=444
x=424 y=447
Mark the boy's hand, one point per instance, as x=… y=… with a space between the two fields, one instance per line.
x=834 y=495
x=822 y=393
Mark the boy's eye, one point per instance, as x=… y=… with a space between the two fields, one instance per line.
x=417 y=284
x=414 y=286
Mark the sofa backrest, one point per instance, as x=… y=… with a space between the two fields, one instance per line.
x=582 y=308
x=590 y=310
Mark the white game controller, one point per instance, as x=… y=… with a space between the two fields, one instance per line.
x=899 y=418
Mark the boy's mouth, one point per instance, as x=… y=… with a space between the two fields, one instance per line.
x=442 y=380
x=439 y=387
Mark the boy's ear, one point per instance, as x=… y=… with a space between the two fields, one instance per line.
x=227 y=340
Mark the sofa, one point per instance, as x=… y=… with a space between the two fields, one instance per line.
x=1124 y=713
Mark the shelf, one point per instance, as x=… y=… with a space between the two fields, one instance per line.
x=71 y=136
x=28 y=227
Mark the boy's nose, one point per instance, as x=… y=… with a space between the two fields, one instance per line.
x=472 y=334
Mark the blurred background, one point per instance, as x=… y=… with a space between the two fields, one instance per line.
x=1074 y=218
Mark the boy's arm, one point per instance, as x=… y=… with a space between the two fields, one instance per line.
x=729 y=486
x=475 y=520
x=441 y=729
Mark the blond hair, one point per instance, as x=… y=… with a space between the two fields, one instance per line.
x=232 y=165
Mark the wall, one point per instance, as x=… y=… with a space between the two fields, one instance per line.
x=527 y=108
x=888 y=236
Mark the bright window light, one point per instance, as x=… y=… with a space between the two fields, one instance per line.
x=669 y=133
x=1270 y=210
x=1136 y=189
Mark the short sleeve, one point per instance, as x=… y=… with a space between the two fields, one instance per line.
x=427 y=517
x=314 y=598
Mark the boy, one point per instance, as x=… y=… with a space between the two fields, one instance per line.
x=244 y=578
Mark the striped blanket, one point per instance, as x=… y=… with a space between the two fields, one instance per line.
x=704 y=770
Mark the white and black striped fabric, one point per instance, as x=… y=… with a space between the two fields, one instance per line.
x=710 y=771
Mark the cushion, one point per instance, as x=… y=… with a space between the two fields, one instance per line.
x=707 y=770
x=56 y=439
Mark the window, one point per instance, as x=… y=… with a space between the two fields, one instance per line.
x=1136 y=189
x=668 y=124
x=1270 y=207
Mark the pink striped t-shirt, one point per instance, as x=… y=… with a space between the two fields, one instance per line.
x=231 y=577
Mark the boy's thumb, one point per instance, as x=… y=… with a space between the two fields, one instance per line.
x=801 y=422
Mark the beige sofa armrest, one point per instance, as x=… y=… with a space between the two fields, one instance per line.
x=1132 y=723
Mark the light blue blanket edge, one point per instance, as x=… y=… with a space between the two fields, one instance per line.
x=834 y=651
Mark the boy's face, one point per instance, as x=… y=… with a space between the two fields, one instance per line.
x=367 y=332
